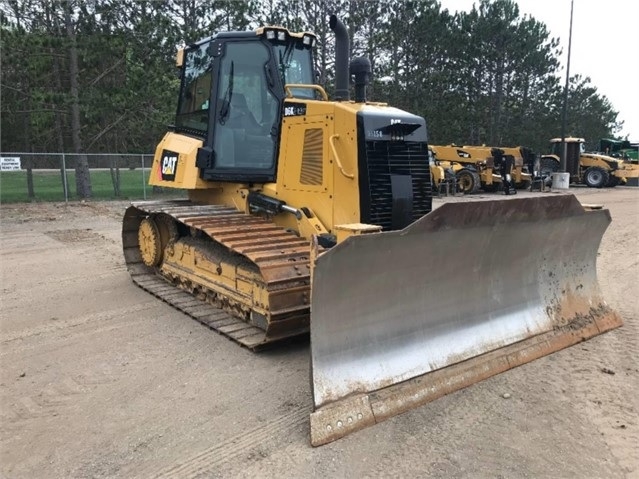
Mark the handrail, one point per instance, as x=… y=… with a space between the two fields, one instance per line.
x=317 y=88
x=331 y=141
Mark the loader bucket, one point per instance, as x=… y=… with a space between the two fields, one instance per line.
x=470 y=290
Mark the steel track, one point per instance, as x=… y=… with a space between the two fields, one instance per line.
x=281 y=257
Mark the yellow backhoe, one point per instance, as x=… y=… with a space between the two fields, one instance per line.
x=305 y=213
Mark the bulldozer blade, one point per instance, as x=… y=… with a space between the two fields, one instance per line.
x=470 y=290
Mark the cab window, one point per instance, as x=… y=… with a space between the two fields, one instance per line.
x=295 y=64
x=195 y=96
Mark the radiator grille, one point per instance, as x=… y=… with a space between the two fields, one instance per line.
x=385 y=158
x=312 y=157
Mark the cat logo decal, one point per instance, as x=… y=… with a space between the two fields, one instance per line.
x=168 y=165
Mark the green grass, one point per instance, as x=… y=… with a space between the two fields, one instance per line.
x=47 y=186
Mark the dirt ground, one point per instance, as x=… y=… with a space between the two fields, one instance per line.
x=100 y=379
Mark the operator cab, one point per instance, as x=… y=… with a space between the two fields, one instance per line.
x=574 y=148
x=231 y=96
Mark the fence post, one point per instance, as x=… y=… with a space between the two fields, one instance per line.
x=143 y=179
x=29 y=168
x=65 y=185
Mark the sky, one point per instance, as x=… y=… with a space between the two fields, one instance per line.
x=605 y=47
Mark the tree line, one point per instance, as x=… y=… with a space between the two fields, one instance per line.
x=99 y=75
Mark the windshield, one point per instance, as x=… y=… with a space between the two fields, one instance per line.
x=295 y=65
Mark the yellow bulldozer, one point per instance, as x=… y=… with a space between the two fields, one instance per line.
x=595 y=170
x=309 y=214
x=479 y=168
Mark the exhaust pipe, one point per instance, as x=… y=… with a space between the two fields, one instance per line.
x=342 y=48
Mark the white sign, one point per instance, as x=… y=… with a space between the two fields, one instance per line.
x=10 y=163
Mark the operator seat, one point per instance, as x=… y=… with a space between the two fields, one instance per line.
x=239 y=114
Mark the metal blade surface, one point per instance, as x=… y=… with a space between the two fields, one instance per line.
x=466 y=279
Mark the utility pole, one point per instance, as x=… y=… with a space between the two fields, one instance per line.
x=563 y=159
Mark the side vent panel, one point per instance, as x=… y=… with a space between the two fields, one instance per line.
x=312 y=157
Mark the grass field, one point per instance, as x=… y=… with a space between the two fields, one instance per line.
x=48 y=186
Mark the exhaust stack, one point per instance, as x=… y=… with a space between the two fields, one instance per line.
x=342 y=49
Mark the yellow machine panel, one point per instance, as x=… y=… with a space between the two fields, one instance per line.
x=174 y=163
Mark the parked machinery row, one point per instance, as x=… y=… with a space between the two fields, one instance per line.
x=483 y=167
x=467 y=169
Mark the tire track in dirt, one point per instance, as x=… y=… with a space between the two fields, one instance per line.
x=8 y=338
x=53 y=398
x=47 y=402
x=56 y=398
x=105 y=273
x=273 y=433
x=38 y=347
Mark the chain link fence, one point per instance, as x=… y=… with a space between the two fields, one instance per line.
x=51 y=177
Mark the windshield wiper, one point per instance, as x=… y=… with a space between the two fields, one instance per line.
x=285 y=58
x=226 y=99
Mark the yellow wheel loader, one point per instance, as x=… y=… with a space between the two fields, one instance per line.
x=595 y=170
x=305 y=213
x=479 y=169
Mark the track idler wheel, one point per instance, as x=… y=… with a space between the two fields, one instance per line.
x=150 y=242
